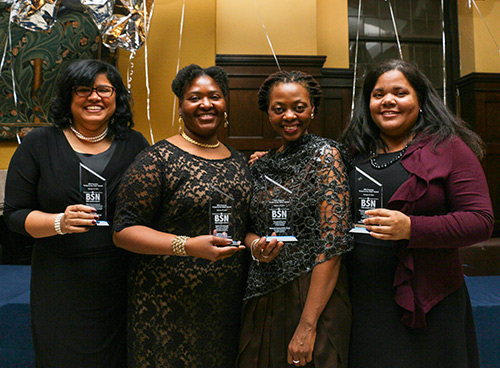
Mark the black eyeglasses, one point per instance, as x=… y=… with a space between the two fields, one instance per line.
x=102 y=91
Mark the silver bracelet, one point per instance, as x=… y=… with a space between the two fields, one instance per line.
x=57 y=224
x=252 y=245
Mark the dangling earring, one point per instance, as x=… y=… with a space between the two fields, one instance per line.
x=180 y=124
x=226 y=122
x=421 y=111
x=312 y=115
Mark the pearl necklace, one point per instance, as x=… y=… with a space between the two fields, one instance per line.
x=95 y=139
x=398 y=157
x=204 y=145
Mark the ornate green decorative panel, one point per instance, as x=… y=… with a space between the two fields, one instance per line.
x=35 y=61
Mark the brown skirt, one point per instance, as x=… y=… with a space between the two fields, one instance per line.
x=269 y=322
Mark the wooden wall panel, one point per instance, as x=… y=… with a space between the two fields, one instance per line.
x=249 y=129
x=337 y=97
x=480 y=107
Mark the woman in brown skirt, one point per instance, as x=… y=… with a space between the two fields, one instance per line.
x=297 y=310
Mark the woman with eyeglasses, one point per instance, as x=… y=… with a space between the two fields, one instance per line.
x=79 y=278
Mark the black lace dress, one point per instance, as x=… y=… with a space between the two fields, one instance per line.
x=183 y=311
x=312 y=169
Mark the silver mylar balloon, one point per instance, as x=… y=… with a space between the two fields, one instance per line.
x=127 y=28
x=101 y=11
x=35 y=15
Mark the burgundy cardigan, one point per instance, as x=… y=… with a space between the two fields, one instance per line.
x=447 y=199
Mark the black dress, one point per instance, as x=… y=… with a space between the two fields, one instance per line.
x=78 y=281
x=183 y=311
x=378 y=338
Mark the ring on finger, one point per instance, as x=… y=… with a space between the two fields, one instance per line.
x=296 y=361
x=262 y=254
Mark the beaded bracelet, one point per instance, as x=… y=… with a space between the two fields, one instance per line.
x=57 y=224
x=252 y=245
x=179 y=245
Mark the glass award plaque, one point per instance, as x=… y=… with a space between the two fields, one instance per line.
x=368 y=194
x=279 y=212
x=93 y=193
x=221 y=215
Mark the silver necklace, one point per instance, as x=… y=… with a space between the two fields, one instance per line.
x=95 y=139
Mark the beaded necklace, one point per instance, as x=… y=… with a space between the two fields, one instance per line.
x=95 y=139
x=396 y=158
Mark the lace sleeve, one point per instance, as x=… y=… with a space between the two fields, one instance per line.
x=333 y=202
x=140 y=193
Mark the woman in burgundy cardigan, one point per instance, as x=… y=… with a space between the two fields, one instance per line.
x=410 y=304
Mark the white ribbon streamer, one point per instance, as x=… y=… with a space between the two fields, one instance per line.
x=8 y=43
x=395 y=28
x=486 y=24
x=146 y=69
x=356 y=60
x=130 y=70
x=444 y=52
x=4 y=53
x=267 y=35
x=178 y=59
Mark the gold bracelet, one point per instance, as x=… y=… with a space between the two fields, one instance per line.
x=179 y=245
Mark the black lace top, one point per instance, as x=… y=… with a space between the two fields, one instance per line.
x=183 y=311
x=313 y=170
x=169 y=190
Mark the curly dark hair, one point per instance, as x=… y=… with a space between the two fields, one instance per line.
x=84 y=73
x=436 y=119
x=294 y=76
x=189 y=73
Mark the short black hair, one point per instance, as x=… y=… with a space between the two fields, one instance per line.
x=189 y=73
x=295 y=76
x=84 y=73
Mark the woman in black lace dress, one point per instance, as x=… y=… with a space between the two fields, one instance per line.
x=185 y=308
x=297 y=309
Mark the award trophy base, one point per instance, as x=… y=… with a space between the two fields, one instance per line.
x=102 y=223
x=233 y=243
x=359 y=230
x=282 y=238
